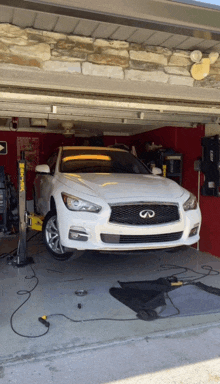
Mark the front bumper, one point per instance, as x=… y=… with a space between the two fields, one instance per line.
x=92 y=226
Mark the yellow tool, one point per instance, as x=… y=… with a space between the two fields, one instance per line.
x=44 y=321
x=164 y=170
x=177 y=284
x=35 y=222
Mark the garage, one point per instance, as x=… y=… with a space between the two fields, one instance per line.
x=144 y=80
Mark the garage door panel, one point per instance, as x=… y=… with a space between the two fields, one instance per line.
x=80 y=113
x=12 y=107
x=85 y=27
x=123 y=33
x=24 y=114
x=45 y=21
x=35 y=80
x=66 y=24
x=24 y=18
x=6 y=14
x=104 y=30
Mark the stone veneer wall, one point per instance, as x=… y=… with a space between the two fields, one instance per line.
x=49 y=51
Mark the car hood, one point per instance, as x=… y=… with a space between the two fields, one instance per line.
x=115 y=187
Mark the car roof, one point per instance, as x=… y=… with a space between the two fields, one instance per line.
x=95 y=148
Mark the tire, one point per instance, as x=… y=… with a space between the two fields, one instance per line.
x=51 y=239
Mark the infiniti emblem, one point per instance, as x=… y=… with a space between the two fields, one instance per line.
x=147 y=214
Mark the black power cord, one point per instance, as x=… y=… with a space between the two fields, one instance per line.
x=43 y=320
x=8 y=254
x=88 y=320
x=13 y=252
x=185 y=280
x=26 y=292
x=151 y=314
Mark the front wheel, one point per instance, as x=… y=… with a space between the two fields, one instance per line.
x=51 y=239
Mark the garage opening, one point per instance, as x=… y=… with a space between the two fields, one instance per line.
x=73 y=122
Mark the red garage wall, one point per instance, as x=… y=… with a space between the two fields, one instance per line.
x=166 y=136
x=107 y=140
x=188 y=142
x=47 y=143
x=184 y=140
x=210 y=231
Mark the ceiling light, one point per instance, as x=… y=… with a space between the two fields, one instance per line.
x=68 y=128
x=213 y=57
x=69 y=132
x=67 y=125
x=196 y=56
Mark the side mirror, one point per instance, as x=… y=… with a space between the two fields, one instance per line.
x=156 y=171
x=44 y=168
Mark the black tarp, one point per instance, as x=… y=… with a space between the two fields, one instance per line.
x=160 y=299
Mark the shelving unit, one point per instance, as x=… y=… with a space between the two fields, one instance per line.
x=172 y=166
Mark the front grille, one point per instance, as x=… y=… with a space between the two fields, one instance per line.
x=134 y=239
x=130 y=214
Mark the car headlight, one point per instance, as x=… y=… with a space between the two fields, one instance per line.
x=190 y=203
x=73 y=203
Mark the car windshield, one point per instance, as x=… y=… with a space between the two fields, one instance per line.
x=86 y=160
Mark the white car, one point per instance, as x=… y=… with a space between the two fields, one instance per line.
x=105 y=199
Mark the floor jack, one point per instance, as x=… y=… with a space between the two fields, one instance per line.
x=25 y=220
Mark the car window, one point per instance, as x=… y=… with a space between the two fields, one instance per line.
x=100 y=161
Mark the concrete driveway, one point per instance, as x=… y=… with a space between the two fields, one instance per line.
x=189 y=357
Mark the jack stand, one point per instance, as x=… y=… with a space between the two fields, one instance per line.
x=21 y=259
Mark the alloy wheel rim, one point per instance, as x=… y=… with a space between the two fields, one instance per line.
x=53 y=237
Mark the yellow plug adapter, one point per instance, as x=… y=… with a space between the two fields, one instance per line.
x=43 y=321
x=177 y=284
x=44 y=317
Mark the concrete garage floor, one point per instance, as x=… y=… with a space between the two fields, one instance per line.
x=96 y=273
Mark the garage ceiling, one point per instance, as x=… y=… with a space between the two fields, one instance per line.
x=132 y=118
x=153 y=22
x=112 y=114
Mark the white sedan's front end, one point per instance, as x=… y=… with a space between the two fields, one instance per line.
x=129 y=216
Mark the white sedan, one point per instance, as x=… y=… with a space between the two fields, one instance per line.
x=105 y=199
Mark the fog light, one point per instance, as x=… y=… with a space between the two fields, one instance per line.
x=194 y=231
x=78 y=234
